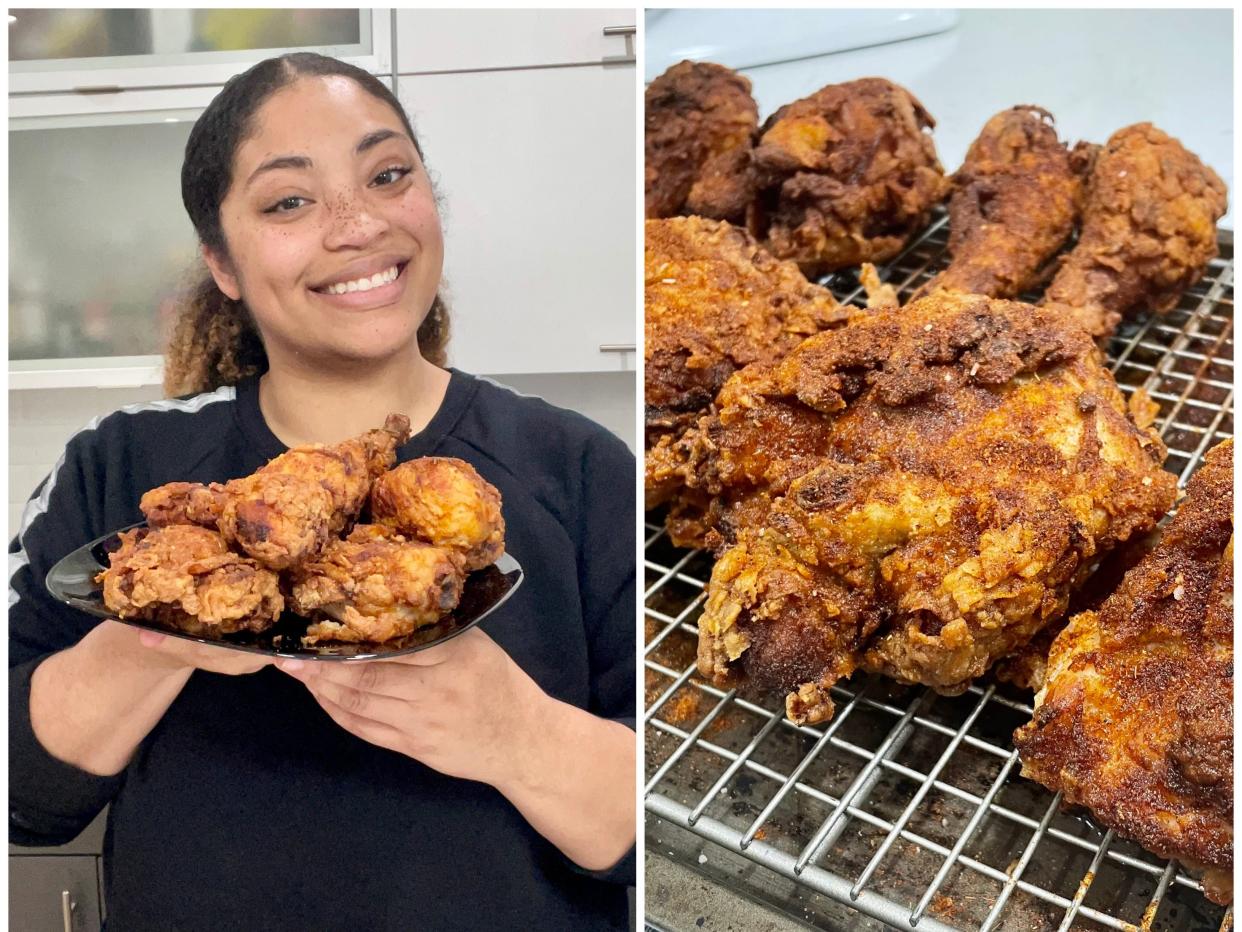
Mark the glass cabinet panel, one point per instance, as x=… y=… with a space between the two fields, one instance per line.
x=99 y=243
x=103 y=38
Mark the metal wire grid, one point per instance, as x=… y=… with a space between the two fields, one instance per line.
x=908 y=806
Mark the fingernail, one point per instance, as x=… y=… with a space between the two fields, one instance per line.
x=150 y=638
x=290 y=666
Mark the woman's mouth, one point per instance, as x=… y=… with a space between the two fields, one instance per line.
x=381 y=288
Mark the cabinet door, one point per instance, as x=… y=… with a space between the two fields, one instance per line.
x=537 y=173
x=62 y=50
x=54 y=894
x=471 y=40
x=99 y=243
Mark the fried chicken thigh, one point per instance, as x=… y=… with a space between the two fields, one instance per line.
x=376 y=585
x=1135 y=720
x=1148 y=231
x=917 y=493
x=700 y=126
x=1015 y=201
x=715 y=302
x=185 y=577
x=285 y=512
x=445 y=502
x=845 y=176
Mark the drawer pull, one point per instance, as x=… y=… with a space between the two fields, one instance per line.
x=67 y=906
x=617 y=348
x=628 y=58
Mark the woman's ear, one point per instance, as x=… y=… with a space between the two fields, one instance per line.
x=222 y=272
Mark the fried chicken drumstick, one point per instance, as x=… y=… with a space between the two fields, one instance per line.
x=284 y=513
x=1014 y=204
x=1135 y=720
x=700 y=126
x=185 y=577
x=1148 y=231
x=917 y=494
x=845 y=176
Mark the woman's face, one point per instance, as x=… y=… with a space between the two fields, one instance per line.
x=333 y=236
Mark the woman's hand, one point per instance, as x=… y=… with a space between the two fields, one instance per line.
x=462 y=707
x=466 y=709
x=178 y=654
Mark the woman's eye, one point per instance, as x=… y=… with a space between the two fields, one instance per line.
x=391 y=175
x=285 y=205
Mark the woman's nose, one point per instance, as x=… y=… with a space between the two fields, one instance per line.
x=352 y=222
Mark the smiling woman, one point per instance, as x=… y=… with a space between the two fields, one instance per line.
x=275 y=210
x=485 y=782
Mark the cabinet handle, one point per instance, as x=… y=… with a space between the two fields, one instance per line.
x=98 y=89
x=617 y=348
x=67 y=906
x=629 y=57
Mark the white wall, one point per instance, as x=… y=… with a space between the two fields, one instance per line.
x=41 y=421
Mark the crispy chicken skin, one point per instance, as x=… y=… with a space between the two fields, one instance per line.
x=377 y=585
x=1015 y=201
x=185 y=577
x=182 y=503
x=285 y=512
x=917 y=493
x=845 y=176
x=1135 y=719
x=715 y=302
x=1148 y=230
x=445 y=502
x=700 y=125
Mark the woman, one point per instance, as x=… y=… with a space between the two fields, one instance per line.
x=487 y=782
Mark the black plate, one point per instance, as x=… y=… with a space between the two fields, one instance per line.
x=72 y=581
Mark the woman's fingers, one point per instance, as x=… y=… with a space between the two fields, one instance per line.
x=369 y=705
x=378 y=733
x=382 y=679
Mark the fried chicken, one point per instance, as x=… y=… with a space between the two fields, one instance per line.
x=845 y=176
x=917 y=494
x=445 y=502
x=376 y=585
x=182 y=503
x=1015 y=201
x=700 y=126
x=185 y=577
x=285 y=512
x=1135 y=719
x=715 y=302
x=1148 y=232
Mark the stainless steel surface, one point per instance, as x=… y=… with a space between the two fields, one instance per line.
x=908 y=806
x=617 y=347
x=629 y=57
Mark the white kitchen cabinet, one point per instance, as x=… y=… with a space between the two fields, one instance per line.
x=431 y=41
x=99 y=244
x=96 y=50
x=538 y=177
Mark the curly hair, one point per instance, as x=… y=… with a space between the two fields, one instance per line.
x=215 y=340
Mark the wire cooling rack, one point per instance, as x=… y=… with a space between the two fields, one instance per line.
x=908 y=806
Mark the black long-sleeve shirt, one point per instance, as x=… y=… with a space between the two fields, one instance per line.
x=247 y=807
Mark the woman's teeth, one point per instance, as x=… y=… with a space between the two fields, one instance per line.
x=364 y=284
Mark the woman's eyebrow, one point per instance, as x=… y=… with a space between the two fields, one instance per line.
x=281 y=161
x=369 y=141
